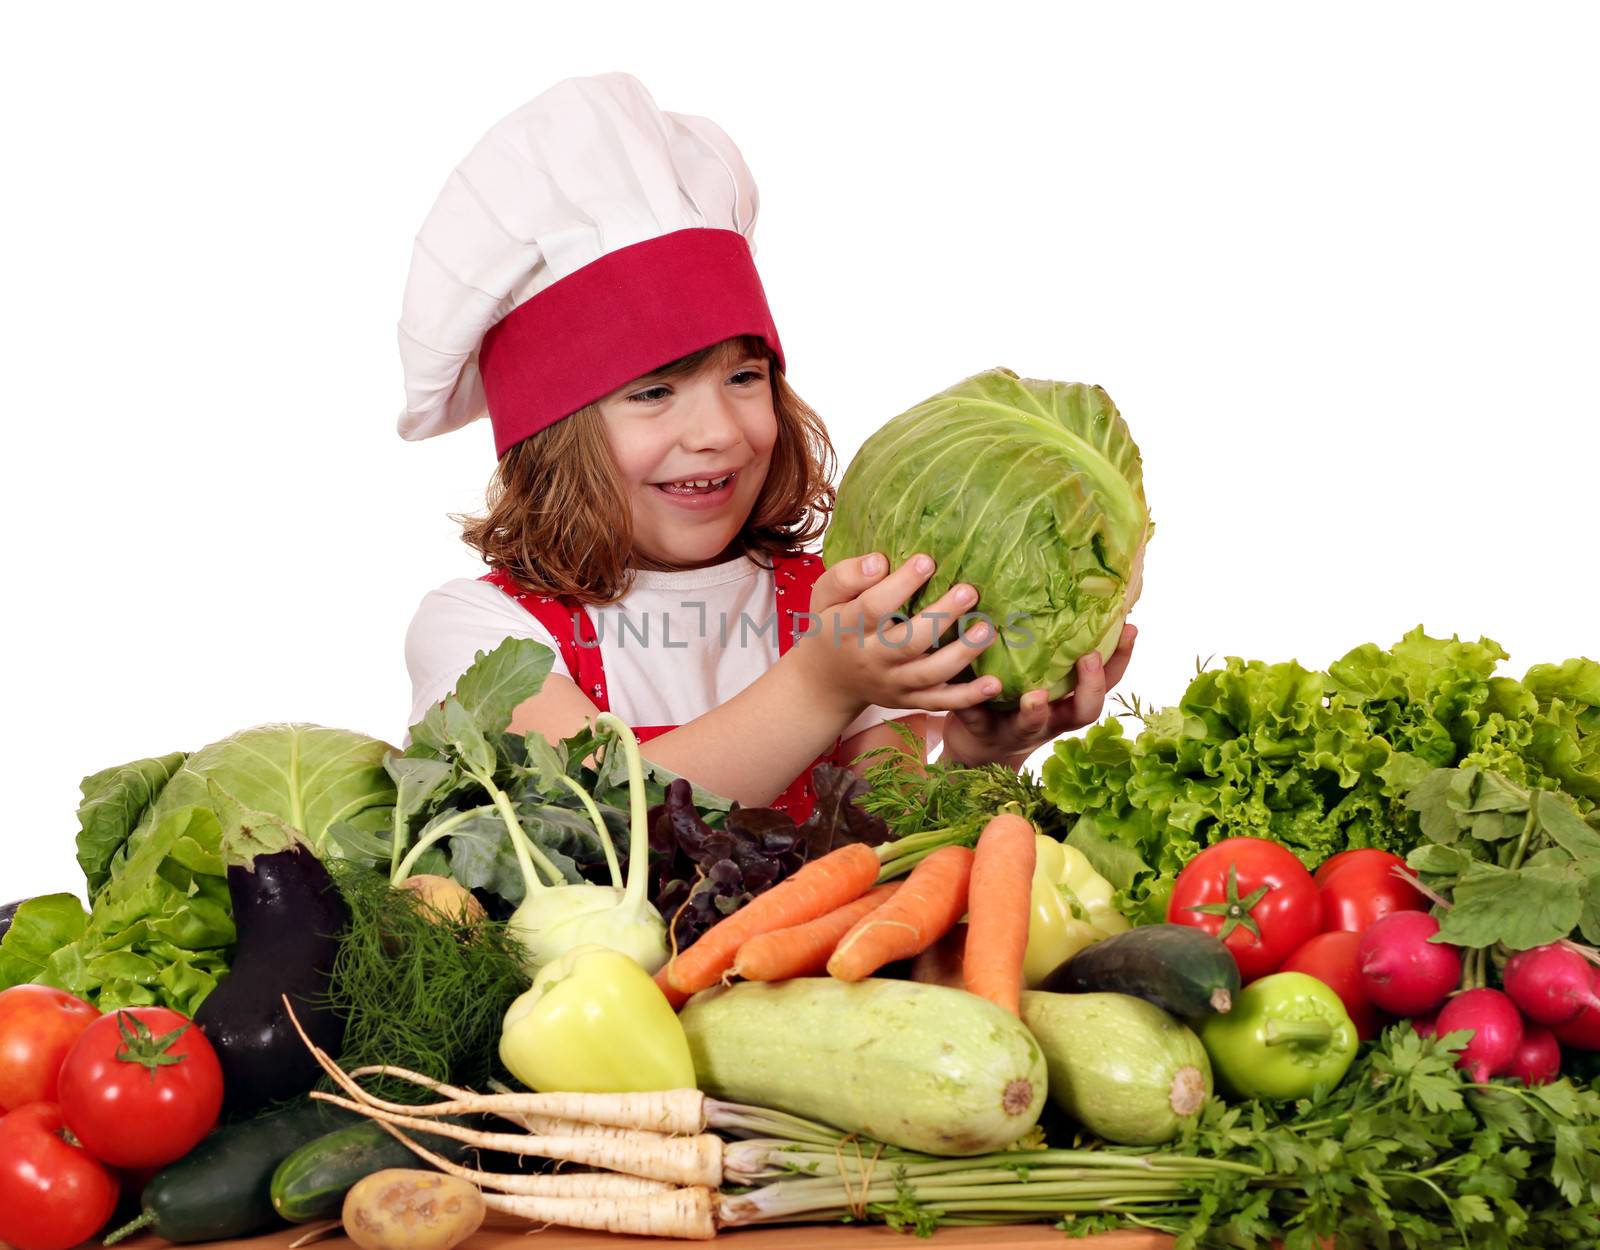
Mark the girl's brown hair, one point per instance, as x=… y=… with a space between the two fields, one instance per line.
x=558 y=519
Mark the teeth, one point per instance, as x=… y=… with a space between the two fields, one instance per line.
x=701 y=483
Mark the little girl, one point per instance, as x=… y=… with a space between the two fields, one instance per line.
x=586 y=279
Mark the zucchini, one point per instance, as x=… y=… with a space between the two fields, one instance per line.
x=1181 y=970
x=222 y=1188
x=922 y=1067
x=1121 y=1067
x=312 y=1182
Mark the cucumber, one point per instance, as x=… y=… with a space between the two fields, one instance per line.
x=1121 y=1067
x=312 y=1182
x=922 y=1067
x=222 y=1188
x=1181 y=970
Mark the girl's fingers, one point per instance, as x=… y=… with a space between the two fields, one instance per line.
x=844 y=581
x=948 y=660
x=978 y=719
x=951 y=698
x=1090 y=696
x=1033 y=713
x=921 y=633
x=886 y=596
x=1117 y=665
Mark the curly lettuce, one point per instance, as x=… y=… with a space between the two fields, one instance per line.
x=1321 y=762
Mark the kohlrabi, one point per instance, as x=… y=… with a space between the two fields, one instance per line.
x=555 y=918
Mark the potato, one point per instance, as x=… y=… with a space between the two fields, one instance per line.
x=405 y=1209
x=449 y=900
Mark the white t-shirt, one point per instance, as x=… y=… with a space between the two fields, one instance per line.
x=674 y=647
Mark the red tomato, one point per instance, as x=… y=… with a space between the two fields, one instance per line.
x=141 y=1087
x=1254 y=895
x=1331 y=958
x=53 y=1195
x=1359 y=888
x=37 y=1028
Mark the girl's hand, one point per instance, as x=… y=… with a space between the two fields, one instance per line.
x=859 y=650
x=981 y=735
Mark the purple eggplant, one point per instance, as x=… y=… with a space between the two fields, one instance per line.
x=290 y=919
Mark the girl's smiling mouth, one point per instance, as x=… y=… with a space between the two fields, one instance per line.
x=699 y=492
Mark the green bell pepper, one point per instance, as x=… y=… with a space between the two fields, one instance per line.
x=1287 y=1034
x=595 y=1022
x=1070 y=908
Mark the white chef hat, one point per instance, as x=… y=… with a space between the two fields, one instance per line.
x=588 y=239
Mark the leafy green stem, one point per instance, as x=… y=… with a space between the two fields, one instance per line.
x=445 y=828
x=639 y=829
x=1528 y=826
x=527 y=852
x=397 y=844
x=599 y=823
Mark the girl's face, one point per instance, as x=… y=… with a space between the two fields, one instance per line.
x=693 y=453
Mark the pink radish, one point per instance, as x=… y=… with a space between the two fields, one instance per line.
x=1550 y=983
x=1427 y=1026
x=1582 y=1032
x=1538 y=1059
x=1496 y=1028
x=1402 y=971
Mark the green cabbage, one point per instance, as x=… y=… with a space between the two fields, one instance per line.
x=1033 y=492
x=160 y=928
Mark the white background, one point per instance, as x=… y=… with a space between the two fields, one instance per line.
x=1336 y=264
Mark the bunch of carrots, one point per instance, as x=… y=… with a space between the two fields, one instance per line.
x=832 y=916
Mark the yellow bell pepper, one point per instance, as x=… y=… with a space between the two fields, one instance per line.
x=1071 y=905
x=595 y=1022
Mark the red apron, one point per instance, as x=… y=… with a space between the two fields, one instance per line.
x=793 y=575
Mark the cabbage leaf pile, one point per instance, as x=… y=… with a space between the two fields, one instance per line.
x=1030 y=490
x=160 y=926
x=1320 y=761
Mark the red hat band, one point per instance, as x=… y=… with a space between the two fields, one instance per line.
x=616 y=319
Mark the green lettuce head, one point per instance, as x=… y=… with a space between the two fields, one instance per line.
x=1030 y=490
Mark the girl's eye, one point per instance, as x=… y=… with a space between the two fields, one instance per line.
x=650 y=395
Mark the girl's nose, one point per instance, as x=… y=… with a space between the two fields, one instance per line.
x=710 y=423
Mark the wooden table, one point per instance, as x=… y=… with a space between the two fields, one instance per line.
x=506 y=1233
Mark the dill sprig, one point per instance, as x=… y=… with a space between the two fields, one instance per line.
x=420 y=992
x=953 y=798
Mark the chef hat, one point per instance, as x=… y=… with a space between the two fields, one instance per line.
x=588 y=239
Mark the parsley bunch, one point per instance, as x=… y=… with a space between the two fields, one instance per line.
x=1405 y=1152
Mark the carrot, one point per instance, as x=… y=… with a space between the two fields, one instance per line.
x=822 y=885
x=931 y=901
x=802 y=950
x=676 y=997
x=998 y=908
